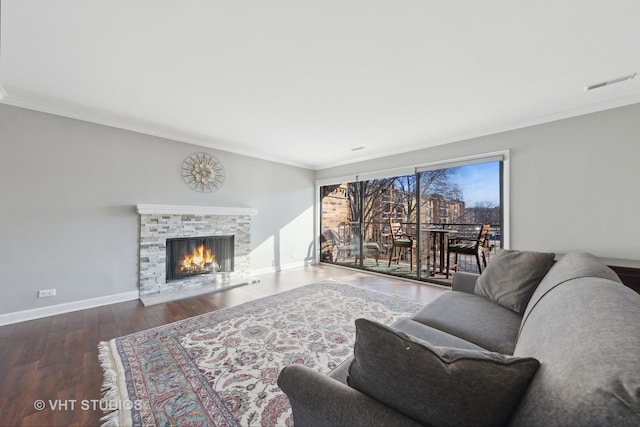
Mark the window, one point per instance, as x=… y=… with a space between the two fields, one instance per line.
x=403 y=224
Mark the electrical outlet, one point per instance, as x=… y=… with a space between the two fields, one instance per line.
x=46 y=293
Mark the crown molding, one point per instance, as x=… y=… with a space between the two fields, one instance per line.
x=507 y=127
x=107 y=119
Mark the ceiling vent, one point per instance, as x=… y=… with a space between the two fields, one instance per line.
x=609 y=82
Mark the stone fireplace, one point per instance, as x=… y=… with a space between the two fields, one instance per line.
x=191 y=249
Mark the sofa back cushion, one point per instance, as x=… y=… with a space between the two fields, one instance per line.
x=512 y=276
x=584 y=332
x=571 y=266
x=438 y=386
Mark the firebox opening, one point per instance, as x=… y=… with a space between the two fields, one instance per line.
x=193 y=256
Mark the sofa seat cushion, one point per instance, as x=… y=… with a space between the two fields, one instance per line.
x=512 y=276
x=473 y=318
x=433 y=385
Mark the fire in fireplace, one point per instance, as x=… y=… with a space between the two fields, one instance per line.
x=193 y=256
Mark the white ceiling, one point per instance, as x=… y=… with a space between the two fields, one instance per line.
x=303 y=82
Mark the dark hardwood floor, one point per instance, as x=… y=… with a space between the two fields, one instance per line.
x=55 y=359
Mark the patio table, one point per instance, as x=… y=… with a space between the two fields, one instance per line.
x=440 y=238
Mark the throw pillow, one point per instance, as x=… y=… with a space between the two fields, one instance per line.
x=512 y=276
x=437 y=386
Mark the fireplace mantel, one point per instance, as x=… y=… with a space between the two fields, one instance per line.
x=193 y=210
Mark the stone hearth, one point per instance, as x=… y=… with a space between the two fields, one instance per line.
x=161 y=222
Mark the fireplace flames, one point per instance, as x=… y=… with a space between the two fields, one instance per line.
x=201 y=260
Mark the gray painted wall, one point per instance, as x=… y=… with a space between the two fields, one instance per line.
x=67 y=195
x=68 y=190
x=575 y=183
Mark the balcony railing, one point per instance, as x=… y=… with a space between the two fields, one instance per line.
x=342 y=246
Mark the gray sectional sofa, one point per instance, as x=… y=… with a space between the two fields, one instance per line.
x=559 y=347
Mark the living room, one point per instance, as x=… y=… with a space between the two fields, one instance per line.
x=73 y=225
x=73 y=176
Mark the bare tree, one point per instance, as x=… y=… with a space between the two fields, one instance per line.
x=438 y=182
x=376 y=199
x=406 y=195
x=374 y=204
x=433 y=183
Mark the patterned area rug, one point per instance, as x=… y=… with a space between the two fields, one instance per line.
x=221 y=368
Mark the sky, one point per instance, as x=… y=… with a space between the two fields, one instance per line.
x=479 y=183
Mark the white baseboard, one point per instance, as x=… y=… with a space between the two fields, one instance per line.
x=37 y=313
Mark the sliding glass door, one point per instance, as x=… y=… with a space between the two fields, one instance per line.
x=410 y=225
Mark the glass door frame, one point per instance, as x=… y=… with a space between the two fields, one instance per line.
x=502 y=156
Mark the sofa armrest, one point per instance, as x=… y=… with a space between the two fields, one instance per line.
x=464 y=282
x=318 y=400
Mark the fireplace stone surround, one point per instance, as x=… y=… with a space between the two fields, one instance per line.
x=161 y=222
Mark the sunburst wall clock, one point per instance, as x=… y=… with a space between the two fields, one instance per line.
x=203 y=172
